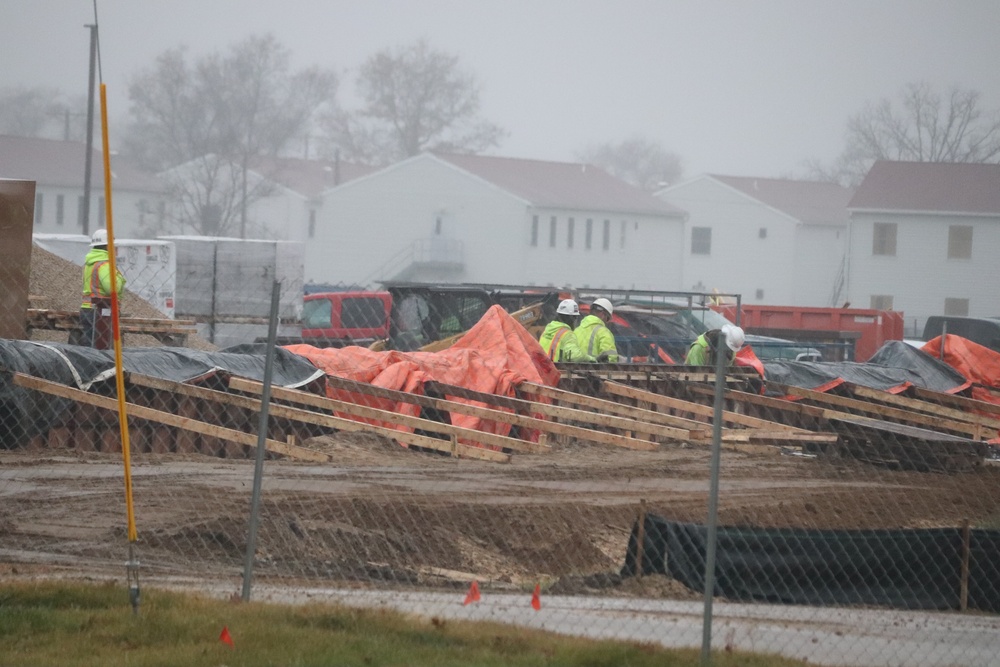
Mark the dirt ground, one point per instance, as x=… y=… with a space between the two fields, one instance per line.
x=385 y=516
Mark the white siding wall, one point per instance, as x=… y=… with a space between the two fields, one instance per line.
x=366 y=227
x=920 y=276
x=818 y=259
x=129 y=221
x=740 y=261
x=650 y=257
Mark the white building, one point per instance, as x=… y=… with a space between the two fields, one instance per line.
x=466 y=218
x=925 y=240
x=58 y=167
x=774 y=241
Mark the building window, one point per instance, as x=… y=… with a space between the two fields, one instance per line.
x=60 y=208
x=552 y=232
x=762 y=233
x=884 y=239
x=38 y=208
x=312 y=223
x=534 y=231
x=956 y=307
x=959 y=243
x=701 y=240
x=606 y=237
x=79 y=211
x=569 y=233
x=881 y=302
x=760 y=294
x=621 y=237
x=588 y=240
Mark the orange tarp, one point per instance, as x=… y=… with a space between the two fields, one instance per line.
x=976 y=363
x=494 y=357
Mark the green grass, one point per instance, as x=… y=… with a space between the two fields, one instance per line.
x=70 y=624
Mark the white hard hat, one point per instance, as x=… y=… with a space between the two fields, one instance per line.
x=568 y=307
x=99 y=237
x=605 y=304
x=734 y=337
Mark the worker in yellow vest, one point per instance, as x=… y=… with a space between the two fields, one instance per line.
x=593 y=334
x=704 y=349
x=95 y=312
x=558 y=340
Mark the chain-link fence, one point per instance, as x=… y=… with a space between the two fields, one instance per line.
x=422 y=452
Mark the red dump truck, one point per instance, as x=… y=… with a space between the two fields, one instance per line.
x=868 y=329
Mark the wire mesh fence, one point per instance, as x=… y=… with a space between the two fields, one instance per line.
x=424 y=453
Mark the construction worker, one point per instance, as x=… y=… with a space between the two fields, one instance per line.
x=558 y=340
x=703 y=349
x=593 y=334
x=95 y=313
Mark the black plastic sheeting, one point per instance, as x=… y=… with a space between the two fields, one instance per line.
x=894 y=364
x=24 y=414
x=900 y=569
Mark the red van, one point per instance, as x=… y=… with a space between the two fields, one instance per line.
x=338 y=319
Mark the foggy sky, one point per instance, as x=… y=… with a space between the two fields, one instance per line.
x=740 y=87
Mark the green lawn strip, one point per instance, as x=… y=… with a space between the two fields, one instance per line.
x=51 y=624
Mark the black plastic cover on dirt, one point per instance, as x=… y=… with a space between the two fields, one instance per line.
x=894 y=364
x=80 y=367
x=24 y=413
x=901 y=569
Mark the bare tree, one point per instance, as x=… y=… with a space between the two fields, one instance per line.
x=207 y=120
x=415 y=99
x=42 y=112
x=643 y=163
x=925 y=127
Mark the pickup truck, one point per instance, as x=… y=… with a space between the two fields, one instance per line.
x=982 y=330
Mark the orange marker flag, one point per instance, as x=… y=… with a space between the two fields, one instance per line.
x=226 y=638
x=536 y=597
x=473 y=594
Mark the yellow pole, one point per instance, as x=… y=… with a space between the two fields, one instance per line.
x=115 y=328
x=132 y=564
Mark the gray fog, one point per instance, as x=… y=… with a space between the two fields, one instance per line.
x=734 y=87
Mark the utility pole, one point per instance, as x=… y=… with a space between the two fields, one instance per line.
x=85 y=220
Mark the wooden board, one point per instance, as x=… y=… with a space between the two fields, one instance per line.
x=615 y=415
x=309 y=417
x=497 y=415
x=184 y=423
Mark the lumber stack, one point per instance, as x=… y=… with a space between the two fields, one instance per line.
x=631 y=408
x=165 y=330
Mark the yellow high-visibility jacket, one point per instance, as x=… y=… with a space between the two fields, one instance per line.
x=595 y=338
x=560 y=344
x=97 y=277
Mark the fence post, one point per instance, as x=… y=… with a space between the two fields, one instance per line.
x=963 y=596
x=721 y=360
x=258 y=471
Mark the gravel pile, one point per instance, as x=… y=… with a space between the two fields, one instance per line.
x=55 y=284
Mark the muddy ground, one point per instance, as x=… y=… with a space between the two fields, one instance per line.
x=385 y=516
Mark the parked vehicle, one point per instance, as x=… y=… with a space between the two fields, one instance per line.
x=873 y=327
x=339 y=319
x=426 y=314
x=982 y=330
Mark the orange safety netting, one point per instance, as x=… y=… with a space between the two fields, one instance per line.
x=493 y=357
